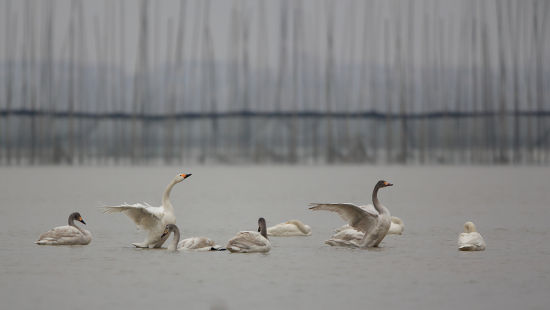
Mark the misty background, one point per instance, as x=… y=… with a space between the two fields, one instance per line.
x=131 y=82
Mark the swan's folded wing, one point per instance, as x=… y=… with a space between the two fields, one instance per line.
x=60 y=235
x=356 y=217
x=144 y=215
x=247 y=240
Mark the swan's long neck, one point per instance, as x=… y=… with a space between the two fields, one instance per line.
x=263 y=230
x=71 y=221
x=174 y=244
x=166 y=204
x=377 y=205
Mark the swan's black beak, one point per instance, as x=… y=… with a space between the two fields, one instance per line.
x=387 y=184
x=259 y=229
x=185 y=176
x=166 y=231
x=81 y=220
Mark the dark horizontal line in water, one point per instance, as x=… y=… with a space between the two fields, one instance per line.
x=283 y=114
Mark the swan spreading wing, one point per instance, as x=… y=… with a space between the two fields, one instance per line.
x=357 y=217
x=144 y=215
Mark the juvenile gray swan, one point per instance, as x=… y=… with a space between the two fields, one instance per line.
x=251 y=241
x=149 y=218
x=193 y=243
x=67 y=235
x=374 y=226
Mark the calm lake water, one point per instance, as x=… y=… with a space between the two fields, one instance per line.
x=420 y=269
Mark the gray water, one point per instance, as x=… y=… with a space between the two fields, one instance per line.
x=420 y=269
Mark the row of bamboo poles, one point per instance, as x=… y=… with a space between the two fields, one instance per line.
x=288 y=81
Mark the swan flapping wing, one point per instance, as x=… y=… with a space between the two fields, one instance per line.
x=144 y=215
x=357 y=217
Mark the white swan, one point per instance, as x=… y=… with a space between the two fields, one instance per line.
x=470 y=239
x=250 y=241
x=67 y=235
x=194 y=243
x=374 y=226
x=149 y=218
x=396 y=226
x=290 y=228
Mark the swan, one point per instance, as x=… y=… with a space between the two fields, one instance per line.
x=250 y=241
x=396 y=226
x=149 y=218
x=374 y=226
x=470 y=239
x=194 y=243
x=67 y=235
x=290 y=228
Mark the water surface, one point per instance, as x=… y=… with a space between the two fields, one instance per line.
x=421 y=269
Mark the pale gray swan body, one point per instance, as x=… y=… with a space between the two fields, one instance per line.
x=67 y=235
x=347 y=232
x=193 y=243
x=374 y=226
x=251 y=241
x=149 y=218
x=289 y=228
x=470 y=239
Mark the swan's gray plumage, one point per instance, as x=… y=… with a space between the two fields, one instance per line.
x=66 y=235
x=250 y=241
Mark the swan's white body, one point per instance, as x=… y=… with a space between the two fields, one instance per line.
x=149 y=218
x=375 y=226
x=197 y=244
x=65 y=235
x=470 y=239
x=248 y=242
x=290 y=228
x=347 y=232
x=192 y=244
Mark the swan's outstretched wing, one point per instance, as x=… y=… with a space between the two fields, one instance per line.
x=144 y=215
x=356 y=217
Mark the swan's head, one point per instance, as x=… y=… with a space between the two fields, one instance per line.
x=77 y=217
x=383 y=183
x=168 y=229
x=181 y=177
x=469 y=227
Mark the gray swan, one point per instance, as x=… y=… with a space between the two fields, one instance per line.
x=374 y=226
x=67 y=235
x=251 y=241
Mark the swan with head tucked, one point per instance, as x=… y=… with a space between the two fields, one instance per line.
x=193 y=243
x=149 y=218
x=290 y=228
x=251 y=241
x=67 y=235
x=470 y=239
x=375 y=226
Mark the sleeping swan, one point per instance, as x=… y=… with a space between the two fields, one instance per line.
x=250 y=241
x=193 y=243
x=290 y=228
x=149 y=218
x=374 y=226
x=67 y=235
x=470 y=239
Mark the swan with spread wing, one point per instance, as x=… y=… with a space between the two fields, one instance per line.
x=149 y=218
x=375 y=226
